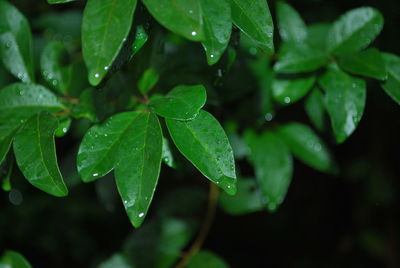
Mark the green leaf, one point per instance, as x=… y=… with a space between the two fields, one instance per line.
x=392 y=84
x=35 y=153
x=16 y=43
x=247 y=199
x=315 y=108
x=290 y=24
x=204 y=143
x=105 y=27
x=288 y=91
x=63 y=126
x=354 y=30
x=7 y=131
x=299 y=57
x=208 y=259
x=52 y=64
x=273 y=166
x=183 y=17
x=253 y=18
x=317 y=36
x=52 y=2
x=86 y=108
x=12 y=259
x=367 y=63
x=344 y=100
x=116 y=261
x=20 y=101
x=141 y=38
x=306 y=146
x=181 y=103
x=167 y=155
x=217 y=28
x=137 y=172
x=148 y=80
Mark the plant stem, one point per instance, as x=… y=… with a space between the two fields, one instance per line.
x=205 y=227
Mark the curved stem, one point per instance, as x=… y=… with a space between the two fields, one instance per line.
x=205 y=227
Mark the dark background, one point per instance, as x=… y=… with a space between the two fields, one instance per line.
x=348 y=220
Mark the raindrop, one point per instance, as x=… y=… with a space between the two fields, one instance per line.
x=194 y=33
x=65 y=130
x=97 y=75
x=268 y=117
x=106 y=68
x=191 y=11
x=55 y=82
x=287 y=100
x=15 y=197
x=95 y=174
x=212 y=56
x=105 y=135
x=141 y=215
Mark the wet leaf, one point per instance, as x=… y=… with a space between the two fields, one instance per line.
x=288 y=91
x=290 y=24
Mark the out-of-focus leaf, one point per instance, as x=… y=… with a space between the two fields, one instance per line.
x=392 y=84
x=148 y=80
x=16 y=43
x=59 y=1
x=204 y=143
x=354 y=30
x=116 y=261
x=288 y=91
x=315 y=108
x=291 y=25
x=205 y=258
x=345 y=98
x=12 y=259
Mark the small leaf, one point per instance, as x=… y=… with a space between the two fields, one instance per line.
x=105 y=28
x=181 y=103
x=273 y=166
x=16 y=43
x=217 y=28
x=141 y=38
x=20 y=101
x=137 y=172
x=315 y=108
x=367 y=63
x=288 y=91
x=204 y=143
x=116 y=261
x=167 y=155
x=205 y=258
x=354 y=30
x=63 y=126
x=299 y=57
x=247 y=199
x=392 y=84
x=183 y=17
x=291 y=25
x=253 y=18
x=148 y=80
x=54 y=70
x=306 y=146
x=344 y=100
x=12 y=259
x=35 y=153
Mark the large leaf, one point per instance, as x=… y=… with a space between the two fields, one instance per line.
x=35 y=153
x=368 y=63
x=16 y=42
x=181 y=103
x=105 y=27
x=392 y=84
x=287 y=91
x=344 y=100
x=273 y=166
x=138 y=170
x=307 y=146
x=183 y=17
x=290 y=24
x=217 y=28
x=247 y=199
x=20 y=101
x=53 y=67
x=205 y=258
x=299 y=57
x=354 y=30
x=12 y=259
x=204 y=143
x=254 y=19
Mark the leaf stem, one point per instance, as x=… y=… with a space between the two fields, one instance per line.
x=205 y=227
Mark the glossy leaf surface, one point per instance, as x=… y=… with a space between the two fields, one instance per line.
x=354 y=30
x=287 y=91
x=273 y=166
x=345 y=98
x=16 y=43
x=183 y=17
x=105 y=27
x=59 y=1
x=167 y=156
x=35 y=153
x=137 y=172
x=367 y=63
x=253 y=18
x=181 y=103
x=217 y=28
x=204 y=143
x=306 y=146
x=12 y=259
x=291 y=25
